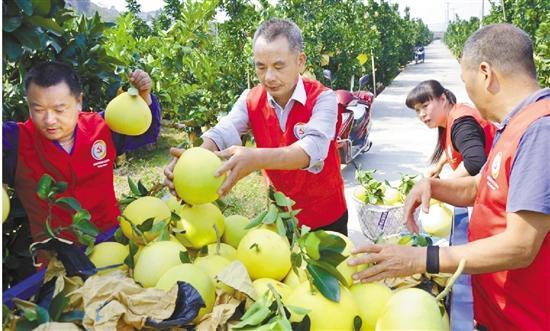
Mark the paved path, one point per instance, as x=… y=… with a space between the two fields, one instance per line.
x=401 y=143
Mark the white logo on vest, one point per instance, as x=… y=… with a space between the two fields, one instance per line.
x=99 y=150
x=495 y=166
x=299 y=130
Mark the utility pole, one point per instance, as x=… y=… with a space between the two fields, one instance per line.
x=482 y=13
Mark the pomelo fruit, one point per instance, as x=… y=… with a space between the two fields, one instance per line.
x=213 y=265
x=194 y=178
x=265 y=254
x=234 y=229
x=109 y=253
x=5 y=205
x=128 y=114
x=155 y=259
x=141 y=210
x=197 y=225
x=371 y=300
x=438 y=221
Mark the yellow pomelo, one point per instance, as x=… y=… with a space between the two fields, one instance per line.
x=141 y=247
x=324 y=313
x=265 y=254
x=234 y=229
x=293 y=280
x=371 y=299
x=197 y=278
x=5 y=205
x=391 y=197
x=155 y=259
x=128 y=115
x=346 y=270
x=194 y=178
x=438 y=221
x=360 y=194
x=261 y=287
x=213 y=265
x=197 y=225
x=109 y=253
x=141 y=210
x=225 y=250
x=411 y=309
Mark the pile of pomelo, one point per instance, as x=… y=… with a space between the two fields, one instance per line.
x=215 y=242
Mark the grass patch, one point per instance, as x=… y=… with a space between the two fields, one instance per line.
x=247 y=198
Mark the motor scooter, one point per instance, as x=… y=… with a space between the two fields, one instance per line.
x=354 y=120
x=419 y=54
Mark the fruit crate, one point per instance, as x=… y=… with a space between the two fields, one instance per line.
x=30 y=286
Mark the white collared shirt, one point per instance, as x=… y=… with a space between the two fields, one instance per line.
x=318 y=132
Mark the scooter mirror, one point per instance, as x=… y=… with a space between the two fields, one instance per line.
x=363 y=81
x=328 y=74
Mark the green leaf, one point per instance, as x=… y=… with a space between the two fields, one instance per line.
x=120 y=237
x=46 y=23
x=58 y=304
x=281 y=229
x=146 y=225
x=256 y=221
x=158 y=226
x=133 y=187
x=421 y=241
x=41 y=7
x=142 y=189
x=298 y=310
x=42 y=315
x=332 y=258
x=296 y=259
x=184 y=257
x=85 y=226
x=254 y=316
x=25 y=5
x=71 y=202
x=129 y=260
x=329 y=268
x=271 y=215
x=282 y=200
x=330 y=242
x=44 y=186
x=326 y=283
x=11 y=48
x=357 y=323
x=60 y=187
x=11 y=24
x=311 y=245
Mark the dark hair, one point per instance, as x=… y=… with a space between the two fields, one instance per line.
x=274 y=28
x=505 y=46
x=48 y=74
x=427 y=91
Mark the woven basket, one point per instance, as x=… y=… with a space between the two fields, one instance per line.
x=377 y=221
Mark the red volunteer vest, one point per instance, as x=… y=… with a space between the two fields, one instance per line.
x=460 y=110
x=513 y=299
x=88 y=171
x=320 y=196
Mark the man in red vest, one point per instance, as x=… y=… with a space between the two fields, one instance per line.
x=293 y=120
x=70 y=145
x=509 y=250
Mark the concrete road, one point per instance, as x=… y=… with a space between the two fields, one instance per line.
x=401 y=143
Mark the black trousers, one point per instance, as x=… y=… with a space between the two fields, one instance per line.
x=340 y=225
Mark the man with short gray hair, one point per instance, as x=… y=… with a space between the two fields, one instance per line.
x=294 y=123
x=508 y=253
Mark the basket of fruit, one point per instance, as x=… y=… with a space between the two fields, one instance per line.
x=379 y=205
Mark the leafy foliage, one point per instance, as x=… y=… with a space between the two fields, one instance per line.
x=533 y=16
x=35 y=31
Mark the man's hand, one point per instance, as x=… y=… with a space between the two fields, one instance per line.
x=141 y=80
x=389 y=261
x=419 y=195
x=241 y=161
x=169 y=170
